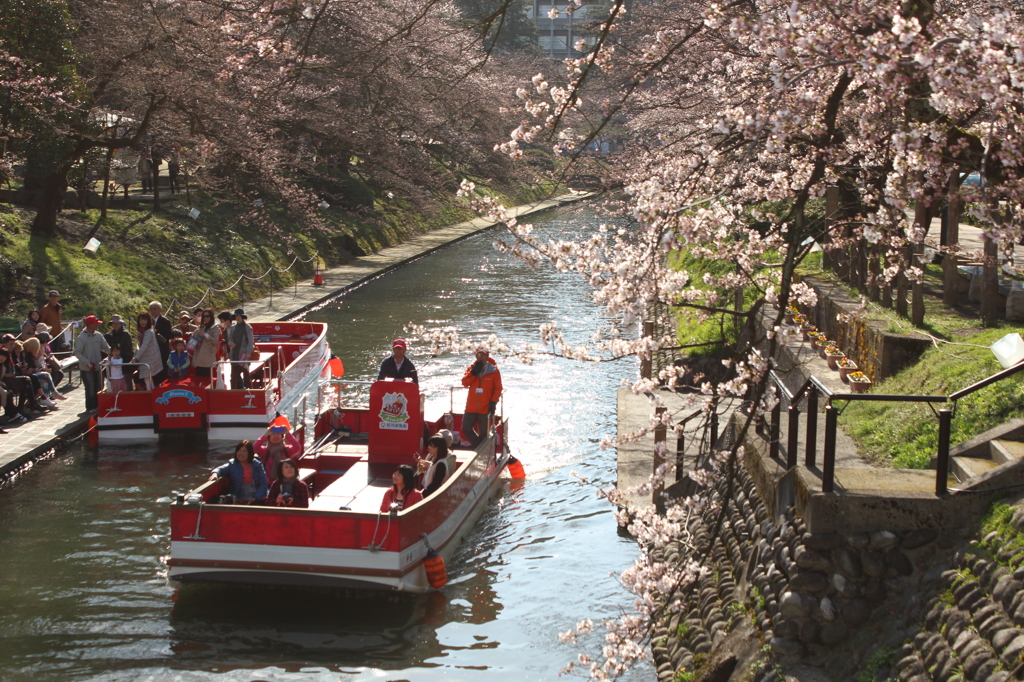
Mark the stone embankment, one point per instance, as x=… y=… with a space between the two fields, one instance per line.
x=777 y=602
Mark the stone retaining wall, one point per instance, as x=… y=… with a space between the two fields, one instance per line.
x=798 y=597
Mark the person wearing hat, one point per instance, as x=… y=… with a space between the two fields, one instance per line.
x=90 y=347
x=53 y=367
x=119 y=336
x=50 y=314
x=241 y=344
x=483 y=380
x=275 y=446
x=398 y=366
x=185 y=325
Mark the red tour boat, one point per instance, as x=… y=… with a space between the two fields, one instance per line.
x=290 y=360
x=343 y=539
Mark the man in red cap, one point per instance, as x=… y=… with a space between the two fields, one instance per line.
x=90 y=347
x=398 y=366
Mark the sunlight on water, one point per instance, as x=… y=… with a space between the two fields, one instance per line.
x=84 y=593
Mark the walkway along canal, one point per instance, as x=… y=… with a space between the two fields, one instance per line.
x=82 y=549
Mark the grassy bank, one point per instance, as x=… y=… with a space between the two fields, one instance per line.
x=166 y=255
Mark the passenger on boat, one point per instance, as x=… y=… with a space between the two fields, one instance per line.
x=398 y=366
x=276 y=445
x=288 y=490
x=204 y=343
x=164 y=331
x=185 y=325
x=339 y=429
x=119 y=336
x=53 y=367
x=247 y=480
x=483 y=380
x=19 y=386
x=116 y=364
x=224 y=322
x=402 y=494
x=28 y=327
x=435 y=467
x=148 y=355
x=241 y=344
x=178 y=361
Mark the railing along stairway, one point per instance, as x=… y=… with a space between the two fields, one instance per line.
x=813 y=390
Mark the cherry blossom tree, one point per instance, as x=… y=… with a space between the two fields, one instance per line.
x=742 y=116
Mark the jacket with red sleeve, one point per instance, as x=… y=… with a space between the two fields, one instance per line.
x=484 y=388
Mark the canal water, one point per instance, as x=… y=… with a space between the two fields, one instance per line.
x=84 y=593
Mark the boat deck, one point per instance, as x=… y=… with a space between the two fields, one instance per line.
x=355 y=490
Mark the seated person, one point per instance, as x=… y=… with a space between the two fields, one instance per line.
x=178 y=361
x=435 y=468
x=288 y=490
x=402 y=494
x=276 y=445
x=247 y=481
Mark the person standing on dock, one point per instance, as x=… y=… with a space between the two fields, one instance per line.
x=483 y=380
x=50 y=314
x=90 y=347
x=398 y=366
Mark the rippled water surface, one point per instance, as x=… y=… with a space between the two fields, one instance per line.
x=84 y=537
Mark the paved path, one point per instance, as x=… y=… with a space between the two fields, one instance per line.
x=287 y=303
x=26 y=442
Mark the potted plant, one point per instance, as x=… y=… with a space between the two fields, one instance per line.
x=791 y=313
x=846 y=366
x=833 y=355
x=859 y=382
x=807 y=330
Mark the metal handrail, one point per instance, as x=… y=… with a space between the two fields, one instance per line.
x=214 y=374
x=813 y=387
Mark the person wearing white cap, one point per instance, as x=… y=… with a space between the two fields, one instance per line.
x=483 y=380
x=397 y=366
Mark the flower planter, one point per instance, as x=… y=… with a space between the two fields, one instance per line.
x=833 y=359
x=859 y=382
x=845 y=369
x=789 y=318
x=807 y=329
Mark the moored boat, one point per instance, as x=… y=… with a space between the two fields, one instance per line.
x=344 y=539
x=285 y=370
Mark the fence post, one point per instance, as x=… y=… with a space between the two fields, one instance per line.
x=714 y=427
x=645 y=362
x=680 y=457
x=794 y=436
x=659 y=448
x=773 y=432
x=812 y=426
x=828 y=466
x=942 y=461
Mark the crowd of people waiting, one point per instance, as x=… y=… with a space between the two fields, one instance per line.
x=158 y=351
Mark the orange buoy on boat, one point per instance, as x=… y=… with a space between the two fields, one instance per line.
x=515 y=468
x=433 y=566
x=94 y=435
x=337 y=368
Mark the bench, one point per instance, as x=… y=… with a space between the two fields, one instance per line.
x=68 y=365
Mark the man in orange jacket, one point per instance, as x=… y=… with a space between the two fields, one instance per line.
x=483 y=380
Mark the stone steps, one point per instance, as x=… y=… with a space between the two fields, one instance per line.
x=1000 y=451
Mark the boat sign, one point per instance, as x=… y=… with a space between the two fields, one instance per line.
x=179 y=393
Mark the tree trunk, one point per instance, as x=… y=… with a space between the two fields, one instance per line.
x=106 y=184
x=52 y=191
x=156 y=185
x=950 y=275
x=990 y=283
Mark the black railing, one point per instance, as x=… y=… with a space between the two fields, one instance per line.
x=813 y=388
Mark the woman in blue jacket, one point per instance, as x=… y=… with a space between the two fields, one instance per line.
x=247 y=480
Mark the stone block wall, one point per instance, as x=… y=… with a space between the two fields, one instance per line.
x=799 y=596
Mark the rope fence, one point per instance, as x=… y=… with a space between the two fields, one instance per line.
x=211 y=290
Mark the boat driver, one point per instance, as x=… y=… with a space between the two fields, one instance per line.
x=398 y=366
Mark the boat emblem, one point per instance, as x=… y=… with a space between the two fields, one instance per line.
x=179 y=393
x=394 y=413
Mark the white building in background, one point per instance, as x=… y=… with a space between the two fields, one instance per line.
x=558 y=37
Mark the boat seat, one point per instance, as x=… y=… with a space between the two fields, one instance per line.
x=345 y=491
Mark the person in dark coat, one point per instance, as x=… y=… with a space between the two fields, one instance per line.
x=398 y=366
x=164 y=331
x=119 y=336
